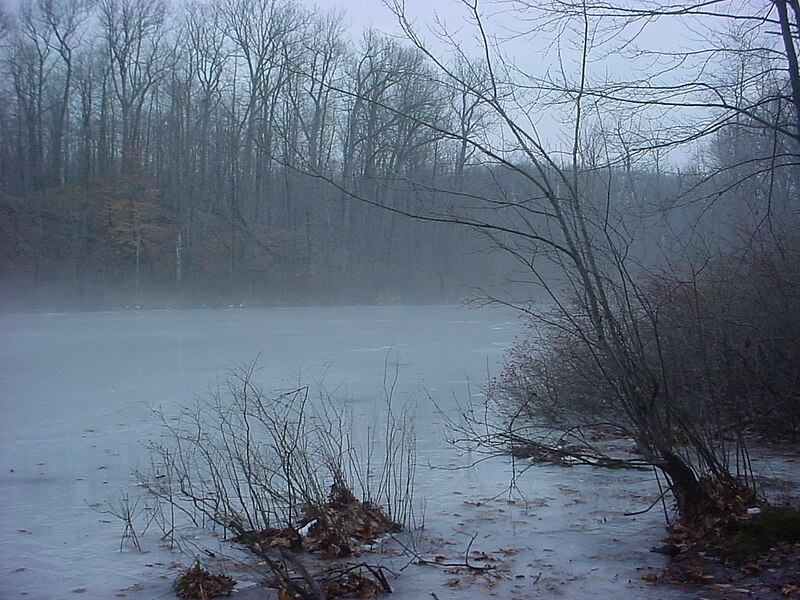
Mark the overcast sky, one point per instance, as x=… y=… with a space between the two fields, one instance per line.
x=363 y=13
x=360 y=13
x=531 y=54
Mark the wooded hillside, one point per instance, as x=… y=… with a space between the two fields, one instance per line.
x=199 y=153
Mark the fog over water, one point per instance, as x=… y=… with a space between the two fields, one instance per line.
x=78 y=389
x=64 y=374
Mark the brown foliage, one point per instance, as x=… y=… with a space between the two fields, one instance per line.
x=119 y=236
x=202 y=585
x=334 y=529
x=342 y=522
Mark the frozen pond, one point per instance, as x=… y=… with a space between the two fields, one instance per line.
x=77 y=392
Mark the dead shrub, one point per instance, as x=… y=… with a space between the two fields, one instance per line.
x=284 y=474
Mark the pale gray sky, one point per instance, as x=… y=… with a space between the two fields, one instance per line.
x=362 y=13
x=531 y=54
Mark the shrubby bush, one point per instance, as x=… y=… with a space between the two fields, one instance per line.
x=551 y=378
x=246 y=460
x=722 y=347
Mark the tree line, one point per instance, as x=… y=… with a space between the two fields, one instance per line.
x=222 y=142
x=256 y=149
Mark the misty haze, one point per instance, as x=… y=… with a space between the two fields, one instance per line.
x=451 y=300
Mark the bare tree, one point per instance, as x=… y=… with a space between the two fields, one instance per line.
x=134 y=32
x=324 y=54
x=64 y=19
x=31 y=64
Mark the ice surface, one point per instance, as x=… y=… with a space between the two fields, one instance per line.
x=76 y=397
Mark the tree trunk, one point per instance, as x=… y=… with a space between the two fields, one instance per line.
x=692 y=499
